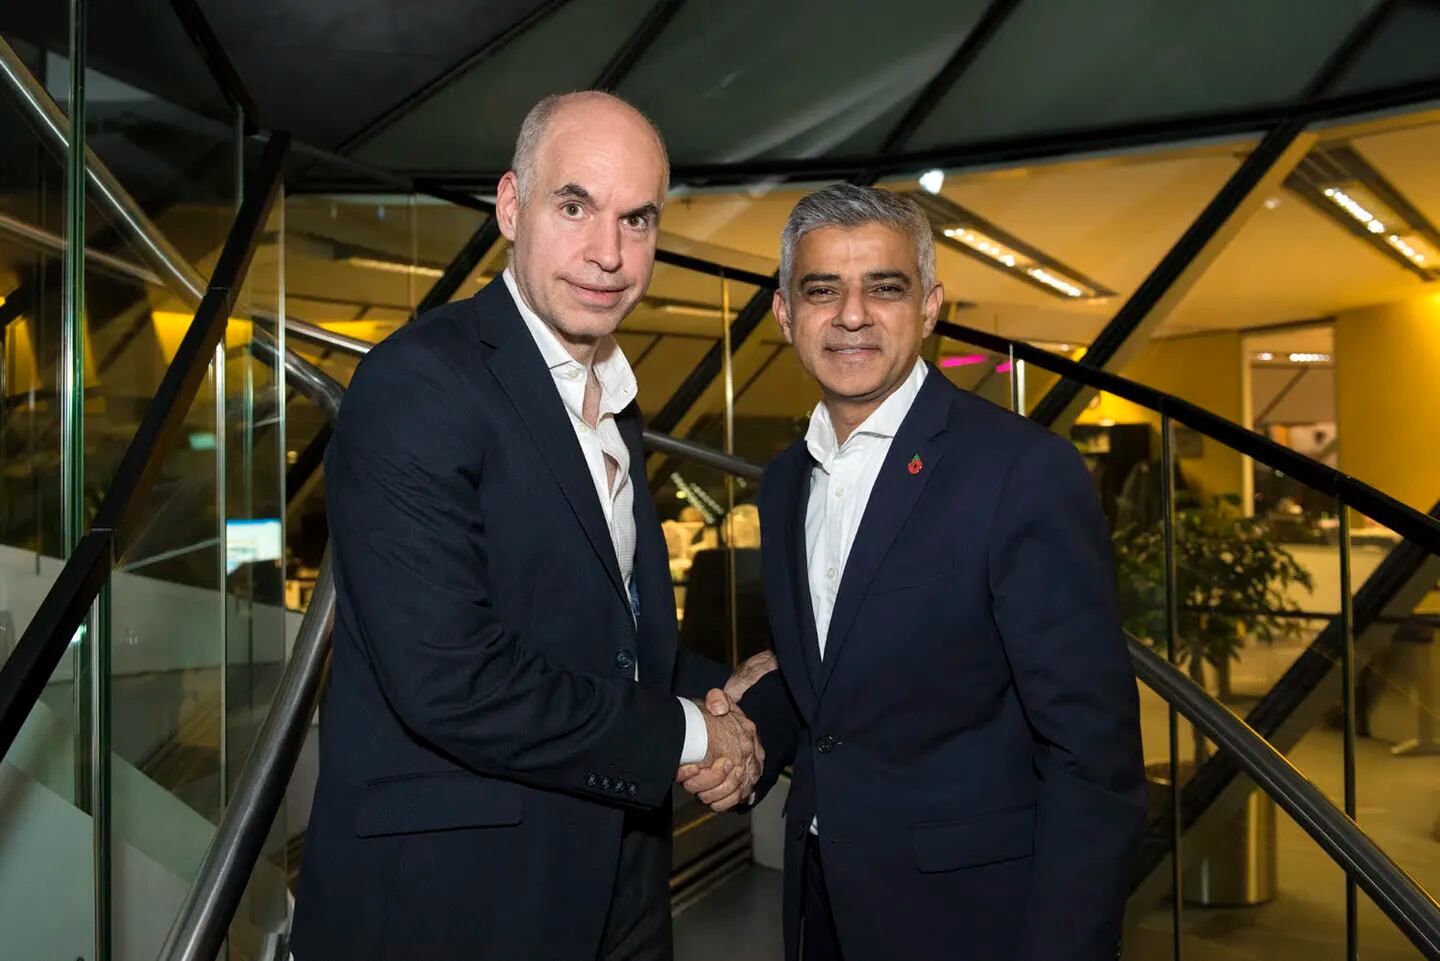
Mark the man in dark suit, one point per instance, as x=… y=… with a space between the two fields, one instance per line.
x=501 y=729
x=955 y=694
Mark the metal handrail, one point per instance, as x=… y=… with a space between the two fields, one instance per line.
x=1403 y=900
x=200 y=927
x=1404 y=520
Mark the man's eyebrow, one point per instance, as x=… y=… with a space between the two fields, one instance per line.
x=574 y=192
x=817 y=277
x=890 y=274
x=649 y=210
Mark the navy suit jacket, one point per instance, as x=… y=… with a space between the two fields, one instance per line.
x=482 y=735
x=970 y=740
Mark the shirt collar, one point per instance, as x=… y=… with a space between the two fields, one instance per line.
x=617 y=381
x=884 y=421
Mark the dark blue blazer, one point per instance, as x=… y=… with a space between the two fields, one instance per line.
x=971 y=740
x=481 y=734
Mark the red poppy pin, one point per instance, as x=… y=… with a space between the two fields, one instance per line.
x=914 y=466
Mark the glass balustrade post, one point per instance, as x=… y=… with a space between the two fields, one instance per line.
x=1172 y=646
x=1347 y=693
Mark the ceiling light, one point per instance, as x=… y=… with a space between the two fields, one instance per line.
x=1011 y=258
x=395 y=267
x=1049 y=279
x=1304 y=357
x=1353 y=207
x=1264 y=355
x=971 y=234
x=691 y=310
x=1414 y=249
x=932 y=180
x=1272 y=202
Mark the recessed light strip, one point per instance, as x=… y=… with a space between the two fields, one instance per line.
x=1409 y=252
x=1011 y=259
x=1353 y=207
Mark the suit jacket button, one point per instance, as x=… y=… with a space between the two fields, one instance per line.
x=604 y=784
x=624 y=659
x=825 y=744
x=591 y=780
x=632 y=789
x=619 y=787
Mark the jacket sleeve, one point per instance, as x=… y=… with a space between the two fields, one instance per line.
x=1053 y=596
x=769 y=705
x=412 y=557
x=696 y=675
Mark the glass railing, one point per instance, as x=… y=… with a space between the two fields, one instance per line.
x=117 y=765
x=1312 y=626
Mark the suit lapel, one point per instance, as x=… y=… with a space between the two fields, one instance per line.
x=787 y=593
x=656 y=622
x=894 y=495
x=797 y=502
x=521 y=371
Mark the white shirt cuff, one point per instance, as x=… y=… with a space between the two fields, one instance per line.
x=697 y=738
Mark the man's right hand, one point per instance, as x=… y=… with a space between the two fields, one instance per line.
x=735 y=759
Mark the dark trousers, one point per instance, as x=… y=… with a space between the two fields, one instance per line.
x=819 y=941
x=638 y=925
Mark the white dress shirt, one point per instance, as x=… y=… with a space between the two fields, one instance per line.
x=599 y=443
x=840 y=486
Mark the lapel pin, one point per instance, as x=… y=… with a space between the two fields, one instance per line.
x=914 y=465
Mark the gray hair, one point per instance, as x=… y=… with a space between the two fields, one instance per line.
x=846 y=205
x=532 y=131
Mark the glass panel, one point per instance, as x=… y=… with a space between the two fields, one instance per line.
x=1193 y=59
x=351 y=262
x=167 y=686
x=737 y=61
x=255 y=628
x=1403 y=51
x=1397 y=698
x=442 y=231
x=32 y=203
x=567 y=50
x=47 y=867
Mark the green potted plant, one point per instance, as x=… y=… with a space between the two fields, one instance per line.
x=1233 y=585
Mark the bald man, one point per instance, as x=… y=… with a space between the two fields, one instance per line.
x=507 y=708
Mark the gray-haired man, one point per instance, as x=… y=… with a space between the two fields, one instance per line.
x=954 y=694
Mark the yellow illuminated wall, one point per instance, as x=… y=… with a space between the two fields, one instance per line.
x=1387 y=382
x=1209 y=371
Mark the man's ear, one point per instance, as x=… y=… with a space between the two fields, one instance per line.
x=782 y=315
x=507 y=204
x=933 y=302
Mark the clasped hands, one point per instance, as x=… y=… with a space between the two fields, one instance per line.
x=735 y=758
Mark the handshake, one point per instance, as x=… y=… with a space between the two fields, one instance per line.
x=735 y=759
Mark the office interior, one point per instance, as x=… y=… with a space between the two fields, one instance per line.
x=1228 y=209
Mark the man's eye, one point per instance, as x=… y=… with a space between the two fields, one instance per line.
x=637 y=221
x=819 y=292
x=572 y=209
